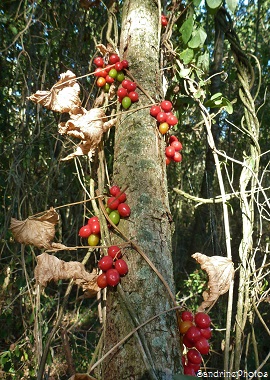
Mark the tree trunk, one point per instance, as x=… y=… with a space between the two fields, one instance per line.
x=153 y=353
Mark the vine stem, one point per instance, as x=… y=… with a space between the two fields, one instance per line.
x=175 y=308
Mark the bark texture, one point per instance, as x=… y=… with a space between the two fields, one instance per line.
x=153 y=353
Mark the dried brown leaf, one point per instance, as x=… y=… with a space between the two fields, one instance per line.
x=50 y=268
x=88 y=127
x=63 y=96
x=220 y=272
x=37 y=231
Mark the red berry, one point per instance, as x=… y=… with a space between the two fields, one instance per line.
x=118 y=66
x=155 y=110
x=206 y=333
x=125 y=83
x=177 y=145
x=202 y=346
x=92 y=220
x=121 y=197
x=85 y=231
x=102 y=280
x=187 y=316
x=121 y=267
x=194 y=356
x=113 y=59
x=172 y=120
x=187 y=342
x=161 y=117
x=124 y=210
x=122 y=92
x=115 y=252
x=98 y=61
x=124 y=63
x=167 y=160
x=189 y=370
x=114 y=190
x=113 y=203
x=170 y=151
x=105 y=263
x=112 y=277
x=196 y=367
x=177 y=157
x=193 y=334
x=166 y=105
x=99 y=72
x=134 y=96
x=109 y=79
x=172 y=139
x=164 y=21
x=131 y=86
x=202 y=320
x=95 y=228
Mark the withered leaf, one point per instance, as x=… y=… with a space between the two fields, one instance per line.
x=62 y=97
x=220 y=272
x=37 y=231
x=88 y=127
x=50 y=268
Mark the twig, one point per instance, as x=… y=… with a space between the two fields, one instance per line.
x=130 y=334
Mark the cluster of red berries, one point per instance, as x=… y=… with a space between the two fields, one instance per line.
x=91 y=231
x=114 y=71
x=116 y=205
x=113 y=267
x=127 y=94
x=164 y=116
x=172 y=151
x=164 y=20
x=196 y=332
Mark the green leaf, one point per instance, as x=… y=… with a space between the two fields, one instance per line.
x=213 y=4
x=184 y=377
x=187 y=55
x=216 y=96
x=232 y=4
x=203 y=61
x=184 y=72
x=186 y=29
x=196 y=3
x=228 y=106
x=198 y=39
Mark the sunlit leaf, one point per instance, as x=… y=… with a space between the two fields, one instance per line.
x=186 y=29
x=187 y=55
x=198 y=38
x=232 y=4
x=214 y=4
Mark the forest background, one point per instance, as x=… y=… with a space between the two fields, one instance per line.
x=214 y=64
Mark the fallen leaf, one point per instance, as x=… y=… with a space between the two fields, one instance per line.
x=50 y=268
x=37 y=231
x=62 y=97
x=88 y=127
x=220 y=272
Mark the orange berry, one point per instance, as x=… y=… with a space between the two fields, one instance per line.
x=163 y=128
